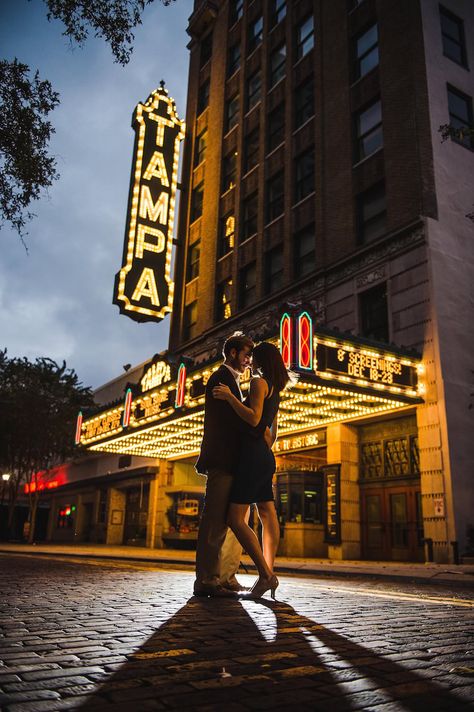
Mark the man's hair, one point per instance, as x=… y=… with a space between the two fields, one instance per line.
x=237 y=341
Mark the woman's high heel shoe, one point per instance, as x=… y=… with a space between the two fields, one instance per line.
x=262 y=585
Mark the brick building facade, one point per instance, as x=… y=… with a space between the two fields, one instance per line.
x=314 y=177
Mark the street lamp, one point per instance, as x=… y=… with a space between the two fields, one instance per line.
x=5 y=477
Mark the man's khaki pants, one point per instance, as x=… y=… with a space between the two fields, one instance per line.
x=218 y=552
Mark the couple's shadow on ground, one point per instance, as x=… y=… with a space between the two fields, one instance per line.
x=263 y=654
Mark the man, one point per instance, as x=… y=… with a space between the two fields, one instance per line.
x=218 y=551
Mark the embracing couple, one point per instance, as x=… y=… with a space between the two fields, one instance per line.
x=237 y=458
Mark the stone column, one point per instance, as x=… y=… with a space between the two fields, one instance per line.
x=158 y=505
x=117 y=502
x=343 y=448
x=436 y=492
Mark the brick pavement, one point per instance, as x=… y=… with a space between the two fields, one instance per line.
x=103 y=636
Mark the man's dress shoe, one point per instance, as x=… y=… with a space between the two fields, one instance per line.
x=235 y=586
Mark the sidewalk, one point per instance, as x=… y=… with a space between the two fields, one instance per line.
x=460 y=575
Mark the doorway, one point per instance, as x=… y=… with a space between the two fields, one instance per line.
x=136 y=515
x=392 y=527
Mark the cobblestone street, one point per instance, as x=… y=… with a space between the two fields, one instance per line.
x=96 y=635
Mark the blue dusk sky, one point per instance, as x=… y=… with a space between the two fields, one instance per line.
x=56 y=301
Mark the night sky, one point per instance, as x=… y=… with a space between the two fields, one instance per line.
x=56 y=301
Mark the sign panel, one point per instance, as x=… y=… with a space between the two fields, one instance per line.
x=143 y=287
x=304 y=441
x=332 y=499
x=358 y=365
x=155 y=375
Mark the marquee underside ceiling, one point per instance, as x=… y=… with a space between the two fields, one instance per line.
x=304 y=407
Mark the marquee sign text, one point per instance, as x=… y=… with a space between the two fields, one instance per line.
x=359 y=365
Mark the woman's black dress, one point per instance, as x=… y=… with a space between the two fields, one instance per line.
x=254 y=473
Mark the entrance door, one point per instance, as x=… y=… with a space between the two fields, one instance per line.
x=136 y=515
x=391 y=523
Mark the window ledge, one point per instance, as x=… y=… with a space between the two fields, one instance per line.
x=274 y=220
x=251 y=170
x=270 y=153
x=460 y=64
x=303 y=125
x=247 y=239
x=226 y=192
x=255 y=106
x=363 y=160
x=230 y=130
x=301 y=58
x=274 y=86
x=357 y=81
x=198 y=165
x=222 y=257
x=306 y=197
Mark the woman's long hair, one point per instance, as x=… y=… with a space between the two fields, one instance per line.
x=269 y=362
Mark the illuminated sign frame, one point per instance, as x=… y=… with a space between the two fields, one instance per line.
x=366 y=367
x=143 y=288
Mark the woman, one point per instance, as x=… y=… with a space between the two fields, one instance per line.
x=253 y=477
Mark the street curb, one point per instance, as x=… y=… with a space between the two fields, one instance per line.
x=281 y=569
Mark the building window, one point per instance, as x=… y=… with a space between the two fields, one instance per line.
x=275 y=196
x=226 y=235
x=304 y=102
x=200 y=148
x=190 y=320
x=366 y=52
x=249 y=216
x=234 y=59
x=304 y=37
x=372 y=213
x=229 y=170
x=398 y=457
x=369 y=134
x=206 y=50
x=224 y=293
x=274 y=270
x=255 y=35
x=232 y=113
x=276 y=127
x=300 y=498
x=254 y=89
x=192 y=268
x=251 y=149
x=197 y=201
x=277 y=65
x=452 y=32
x=304 y=260
x=374 y=313
x=460 y=117
x=236 y=10
x=277 y=11
x=203 y=96
x=304 y=175
x=248 y=285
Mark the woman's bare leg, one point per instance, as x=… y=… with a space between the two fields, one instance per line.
x=270 y=531
x=247 y=537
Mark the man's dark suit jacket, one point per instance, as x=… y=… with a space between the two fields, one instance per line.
x=222 y=427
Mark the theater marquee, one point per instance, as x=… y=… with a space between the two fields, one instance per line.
x=143 y=288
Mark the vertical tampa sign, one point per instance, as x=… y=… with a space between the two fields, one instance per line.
x=143 y=288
